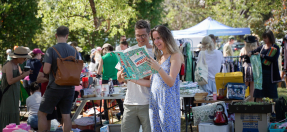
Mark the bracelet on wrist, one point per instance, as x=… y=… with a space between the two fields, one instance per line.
x=159 y=69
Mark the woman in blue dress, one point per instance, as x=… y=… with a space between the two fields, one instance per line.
x=164 y=106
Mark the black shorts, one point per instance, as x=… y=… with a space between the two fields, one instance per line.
x=115 y=82
x=53 y=115
x=62 y=98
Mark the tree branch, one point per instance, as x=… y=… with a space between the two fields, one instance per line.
x=77 y=16
x=92 y=4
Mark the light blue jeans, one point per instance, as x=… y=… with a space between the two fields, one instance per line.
x=210 y=87
x=33 y=121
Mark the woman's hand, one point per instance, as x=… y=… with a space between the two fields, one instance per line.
x=27 y=73
x=153 y=64
x=249 y=54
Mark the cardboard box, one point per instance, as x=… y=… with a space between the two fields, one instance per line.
x=250 y=109
x=251 y=122
x=210 y=127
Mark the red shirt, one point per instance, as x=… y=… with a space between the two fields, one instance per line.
x=43 y=85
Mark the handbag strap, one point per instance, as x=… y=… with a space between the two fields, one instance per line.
x=60 y=55
x=5 y=90
x=57 y=52
x=201 y=56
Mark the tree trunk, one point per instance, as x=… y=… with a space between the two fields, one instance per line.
x=92 y=4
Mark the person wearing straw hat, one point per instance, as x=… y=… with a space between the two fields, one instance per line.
x=11 y=76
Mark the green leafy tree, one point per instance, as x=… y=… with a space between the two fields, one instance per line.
x=278 y=22
x=150 y=10
x=91 y=22
x=18 y=24
x=182 y=14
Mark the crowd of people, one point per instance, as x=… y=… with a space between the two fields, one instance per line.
x=152 y=102
x=144 y=97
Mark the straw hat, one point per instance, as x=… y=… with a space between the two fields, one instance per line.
x=20 y=52
x=106 y=45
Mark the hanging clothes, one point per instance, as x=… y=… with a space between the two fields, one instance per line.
x=257 y=71
x=188 y=71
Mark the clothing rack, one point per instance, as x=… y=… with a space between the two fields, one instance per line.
x=235 y=64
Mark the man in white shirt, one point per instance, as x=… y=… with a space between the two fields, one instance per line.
x=123 y=38
x=136 y=104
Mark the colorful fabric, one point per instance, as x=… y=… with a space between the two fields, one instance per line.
x=270 y=53
x=164 y=103
x=188 y=73
x=257 y=71
x=23 y=94
x=248 y=74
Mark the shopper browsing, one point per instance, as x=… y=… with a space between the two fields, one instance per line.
x=250 y=44
x=56 y=94
x=164 y=103
x=213 y=59
x=136 y=104
x=11 y=76
x=108 y=63
x=269 y=54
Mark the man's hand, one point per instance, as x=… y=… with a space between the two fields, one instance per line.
x=121 y=75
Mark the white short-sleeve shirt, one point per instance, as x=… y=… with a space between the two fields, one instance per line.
x=136 y=94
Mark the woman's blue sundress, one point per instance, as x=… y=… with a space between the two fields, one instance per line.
x=164 y=106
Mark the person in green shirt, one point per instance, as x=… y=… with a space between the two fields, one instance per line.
x=107 y=64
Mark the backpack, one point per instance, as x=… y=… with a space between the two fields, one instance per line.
x=280 y=108
x=68 y=70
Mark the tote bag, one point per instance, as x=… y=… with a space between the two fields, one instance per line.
x=201 y=70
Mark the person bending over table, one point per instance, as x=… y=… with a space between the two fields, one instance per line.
x=108 y=63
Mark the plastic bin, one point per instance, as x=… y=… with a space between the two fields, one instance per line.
x=276 y=130
x=235 y=77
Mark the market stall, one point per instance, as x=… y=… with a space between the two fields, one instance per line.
x=187 y=92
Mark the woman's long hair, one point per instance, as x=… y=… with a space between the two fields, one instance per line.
x=169 y=41
x=248 y=47
x=207 y=44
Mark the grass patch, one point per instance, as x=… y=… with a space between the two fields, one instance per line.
x=282 y=92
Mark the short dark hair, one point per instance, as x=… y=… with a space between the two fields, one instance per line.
x=62 y=31
x=268 y=33
x=34 y=86
x=141 y=24
x=123 y=36
x=109 y=48
x=125 y=43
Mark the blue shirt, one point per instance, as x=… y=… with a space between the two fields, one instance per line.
x=35 y=65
